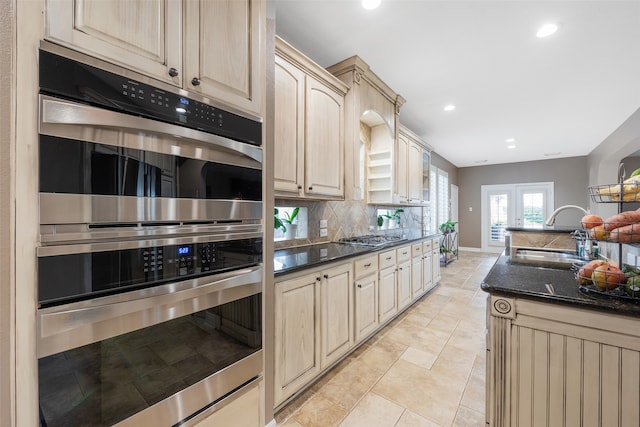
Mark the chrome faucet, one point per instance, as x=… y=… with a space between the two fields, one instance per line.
x=552 y=219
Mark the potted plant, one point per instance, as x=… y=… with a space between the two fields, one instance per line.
x=389 y=218
x=290 y=228
x=447 y=227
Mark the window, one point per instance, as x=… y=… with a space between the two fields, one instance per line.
x=296 y=230
x=439 y=188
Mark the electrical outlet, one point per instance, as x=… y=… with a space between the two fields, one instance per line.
x=323 y=223
x=323 y=232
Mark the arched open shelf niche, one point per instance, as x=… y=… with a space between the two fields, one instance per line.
x=376 y=157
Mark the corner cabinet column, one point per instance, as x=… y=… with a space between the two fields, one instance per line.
x=500 y=311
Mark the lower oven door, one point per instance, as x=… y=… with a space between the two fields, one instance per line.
x=158 y=359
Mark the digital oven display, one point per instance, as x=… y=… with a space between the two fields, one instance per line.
x=184 y=250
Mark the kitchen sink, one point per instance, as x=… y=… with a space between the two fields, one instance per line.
x=543 y=258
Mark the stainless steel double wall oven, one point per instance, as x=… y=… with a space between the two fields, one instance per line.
x=150 y=262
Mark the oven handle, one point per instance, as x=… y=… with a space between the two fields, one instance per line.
x=71 y=325
x=59 y=111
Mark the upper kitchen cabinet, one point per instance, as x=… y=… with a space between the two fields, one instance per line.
x=413 y=166
x=371 y=126
x=212 y=47
x=309 y=128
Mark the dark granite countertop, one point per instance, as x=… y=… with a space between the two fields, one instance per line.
x=518 y=280
x=289 y=260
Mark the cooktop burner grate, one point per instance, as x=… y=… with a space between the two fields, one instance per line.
x=371 y=240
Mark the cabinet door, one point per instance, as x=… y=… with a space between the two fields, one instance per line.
x=297 y=353
x=142 y=35
x=224 y=53
x=337 y=315
x=288 y=128
x=402 y=187
x=387 y=294
x=366 y=306
x=415 y=173
x=427 y=278
x=324 y=140
x=404 y=285
x=435 y=265
x=416 y=277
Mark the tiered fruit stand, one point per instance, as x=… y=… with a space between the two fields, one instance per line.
x=611 y=283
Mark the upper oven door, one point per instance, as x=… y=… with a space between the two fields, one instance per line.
x=101 y=168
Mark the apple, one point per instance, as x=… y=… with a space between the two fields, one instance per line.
x=599 y=233
x=607 y=277
x=585 y=272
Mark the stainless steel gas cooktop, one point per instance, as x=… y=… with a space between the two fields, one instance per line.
x=371 y=240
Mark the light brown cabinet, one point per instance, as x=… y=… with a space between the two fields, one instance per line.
x=403 y=257
x=297 y=331
x=550 y=364
x=412 y=165
x=387 y=296
x=313 y=326
x=365 y=296
x=212 y=47
x=417 y=285
x=427 y=266
x=309 y=128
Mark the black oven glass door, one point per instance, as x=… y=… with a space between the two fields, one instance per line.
x=108 y=381
x=80 y=167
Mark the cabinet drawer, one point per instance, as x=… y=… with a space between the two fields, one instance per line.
x=387 y=259
x=366 y=266
x=426 y=246
x=416 y=250
x=403 y=254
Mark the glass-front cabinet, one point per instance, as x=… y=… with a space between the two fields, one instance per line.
x=426 y=171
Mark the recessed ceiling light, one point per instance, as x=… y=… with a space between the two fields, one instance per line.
x=449 y=107
x=511 y=147
x=546 y=30
x=510 y=140
x=371 y=4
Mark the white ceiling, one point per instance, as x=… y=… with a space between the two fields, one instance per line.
x=559 y=96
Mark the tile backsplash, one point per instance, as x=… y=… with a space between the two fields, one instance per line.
x=351 y=218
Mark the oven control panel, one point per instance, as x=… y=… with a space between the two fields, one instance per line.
x=77 y=276
x=82 y=82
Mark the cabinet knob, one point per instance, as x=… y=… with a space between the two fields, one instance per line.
x=310 y=188
x=367 y=265
x=195 y=81
x=299 y=187
x=388 y=258
x=173 y=72
x=359 y=285
x=318 y=278
x=326 y=276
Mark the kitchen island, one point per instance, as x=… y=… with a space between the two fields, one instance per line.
x=557 y=355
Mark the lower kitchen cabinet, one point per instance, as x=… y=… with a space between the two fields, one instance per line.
x=416 y=271
x=365 y=297
x=403 y=256
x=244 y=410
x=297 y=328
x=550 y=364
x=427 y=275
x=336 y=299
x=313 y=326
x=387 y=302
x=435 y=261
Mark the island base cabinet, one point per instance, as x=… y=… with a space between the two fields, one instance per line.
x=556 y=365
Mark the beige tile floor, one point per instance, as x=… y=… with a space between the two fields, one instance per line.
x=426 y=368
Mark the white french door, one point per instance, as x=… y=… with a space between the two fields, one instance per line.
x=516 y=205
